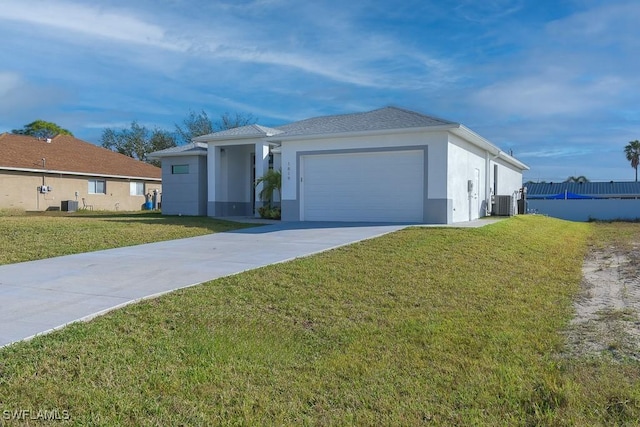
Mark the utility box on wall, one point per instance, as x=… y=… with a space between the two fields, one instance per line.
x=69 y=205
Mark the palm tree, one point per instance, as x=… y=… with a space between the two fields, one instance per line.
x=632 y=151
x=271 y=181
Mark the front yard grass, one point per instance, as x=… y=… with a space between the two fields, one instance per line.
x=27 y=237
x=422 y=326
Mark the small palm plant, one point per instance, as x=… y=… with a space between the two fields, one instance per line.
x=271 y=182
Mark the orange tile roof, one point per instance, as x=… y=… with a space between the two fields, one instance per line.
x=69 y=154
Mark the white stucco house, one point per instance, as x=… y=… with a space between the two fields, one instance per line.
x=386 y=165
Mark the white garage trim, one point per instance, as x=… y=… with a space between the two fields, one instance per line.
x=373 y=185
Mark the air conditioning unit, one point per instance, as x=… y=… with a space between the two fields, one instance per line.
x=502 y=206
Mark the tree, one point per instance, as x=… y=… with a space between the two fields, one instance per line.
x=632 y=151
x=41 y=129
x=198 y=124
x=227 y=121
x=195 y=124
x=137 y=141
x=580 y=178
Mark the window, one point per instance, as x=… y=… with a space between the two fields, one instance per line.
x=136 y=188
x=179 y=169
x=97 y=186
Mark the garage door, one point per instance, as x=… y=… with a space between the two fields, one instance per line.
x=380 y=186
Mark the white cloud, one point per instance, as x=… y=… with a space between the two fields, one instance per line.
x=549 y=95
x=116 y=25
x=487 y=11
x=339 y=52
x=355 y=68
x=243 y=107
x=335 y=49
x=8 y=82
x=583 y=64
x=554 y=152
x=611 y=23
x=18 y=95
x=111 y=124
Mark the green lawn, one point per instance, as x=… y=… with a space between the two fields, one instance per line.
x=26 y=237
x=423 y=326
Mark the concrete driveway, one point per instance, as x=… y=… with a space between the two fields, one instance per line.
x=40 y=296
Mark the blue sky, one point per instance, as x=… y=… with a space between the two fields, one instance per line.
x=556 y=82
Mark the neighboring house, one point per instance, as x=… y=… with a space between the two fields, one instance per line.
x=386 y=165
x=583 y=201
x=41 y=174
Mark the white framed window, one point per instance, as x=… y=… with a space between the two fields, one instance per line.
x=136 y=188
x=97 y=186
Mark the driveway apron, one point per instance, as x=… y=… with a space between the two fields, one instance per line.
x=41 y=296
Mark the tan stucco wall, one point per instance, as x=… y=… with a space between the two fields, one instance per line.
x=19 y=190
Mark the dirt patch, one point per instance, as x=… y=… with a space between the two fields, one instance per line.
x=608 y=308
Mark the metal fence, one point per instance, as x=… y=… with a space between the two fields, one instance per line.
x=587 y=209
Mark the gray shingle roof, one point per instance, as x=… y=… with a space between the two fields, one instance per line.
x=242 y=131
x=381 y=119
x=388 y=118
x=191 y=148
x=600 y=189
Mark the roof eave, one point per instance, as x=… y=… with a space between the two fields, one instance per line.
x=469 y=135
x=455 y=128
x=158 y=155
x=99 y=175
x=300 y=137
x=212 y=137
x=231 y=142
x=517 y=163
x=208 y=138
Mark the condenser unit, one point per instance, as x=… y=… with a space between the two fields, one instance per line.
x=502 y=206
